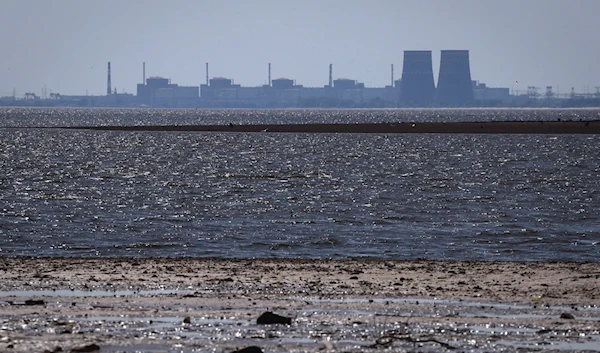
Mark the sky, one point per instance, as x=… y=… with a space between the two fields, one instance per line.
x=64 y=45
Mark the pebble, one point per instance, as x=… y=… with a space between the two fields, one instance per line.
x=251 y=349
x=84 y=349
x=567 y=316
x=268 y=318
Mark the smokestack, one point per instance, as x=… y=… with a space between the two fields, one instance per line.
x=330 y=75
x=144 y=73
x=207 y=74
x=392 y=75
x=269 y=74
x=108 y=84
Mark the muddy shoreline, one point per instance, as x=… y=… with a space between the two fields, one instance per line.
x=133 y=305
x=499 y=127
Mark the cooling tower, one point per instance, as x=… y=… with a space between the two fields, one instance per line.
x=418 y=88
x=454 y=82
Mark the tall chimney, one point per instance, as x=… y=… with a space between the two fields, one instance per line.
x=108 y=84
x=144 y=73
x=269 y=74
x=207 y=74
x=330 y=75
x=392 y=75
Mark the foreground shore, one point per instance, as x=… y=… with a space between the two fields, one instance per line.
x=200 y=305
x=488 y=127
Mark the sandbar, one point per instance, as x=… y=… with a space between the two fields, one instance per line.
x=486 y=127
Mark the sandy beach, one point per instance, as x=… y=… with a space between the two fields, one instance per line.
x=211 y=305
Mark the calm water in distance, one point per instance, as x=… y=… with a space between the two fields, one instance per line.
x=404 y=196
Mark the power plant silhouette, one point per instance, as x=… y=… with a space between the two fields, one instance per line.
x=455 y=87
x=416 y=88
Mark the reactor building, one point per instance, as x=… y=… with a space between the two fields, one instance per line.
x=284 y=92
x=160 y=92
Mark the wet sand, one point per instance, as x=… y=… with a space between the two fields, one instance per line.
x=141 y=305
x=498 y=127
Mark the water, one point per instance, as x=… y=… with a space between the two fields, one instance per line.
x=56 y=117
x=111 y=193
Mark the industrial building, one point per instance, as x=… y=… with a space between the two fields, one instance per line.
x=415 y=88
x=284 y=92
x=160 y=92
x=490 y=95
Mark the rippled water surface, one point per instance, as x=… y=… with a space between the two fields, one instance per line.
x=405 y=196
x=57 y=117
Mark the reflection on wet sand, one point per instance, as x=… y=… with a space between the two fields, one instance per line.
x=190 y=305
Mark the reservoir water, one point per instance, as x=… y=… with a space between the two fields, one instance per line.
x=202 y=194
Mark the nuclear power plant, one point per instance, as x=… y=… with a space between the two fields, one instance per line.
x=416 y=88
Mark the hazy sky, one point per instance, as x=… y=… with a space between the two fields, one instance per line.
x=66 y=44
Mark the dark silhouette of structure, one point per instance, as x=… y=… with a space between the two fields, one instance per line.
x=455 y=87
x=207 y=74
x=282 y=83
x=160 y=92
x=269 y=74
x=108 y=83
x=418 y=88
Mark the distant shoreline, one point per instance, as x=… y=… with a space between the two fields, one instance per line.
x=496 y=127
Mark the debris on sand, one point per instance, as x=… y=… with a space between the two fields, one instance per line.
x=87 y=348
x=251 y=349
x=268 y=318
x=567 y=316
x=35 y=302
